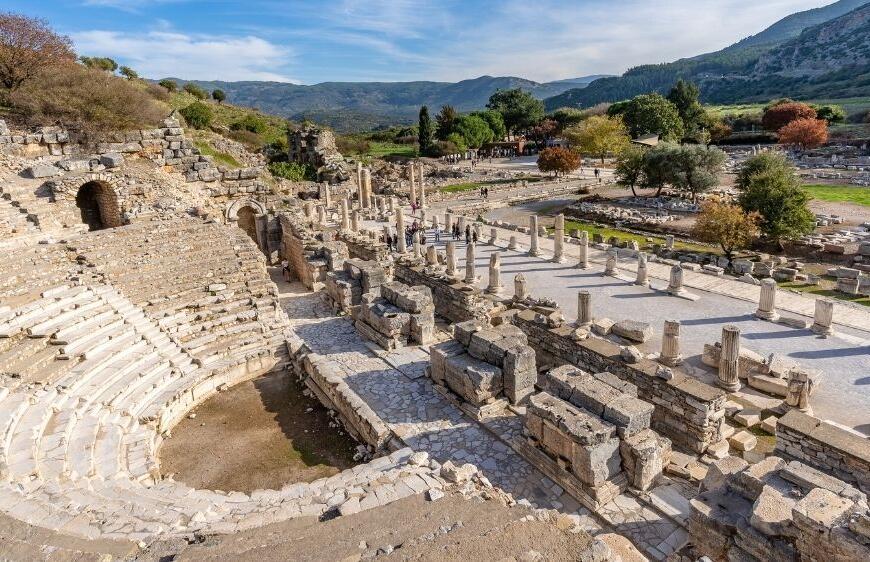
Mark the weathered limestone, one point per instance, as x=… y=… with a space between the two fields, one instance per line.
x=583 y=263
x=675 y=285
x=354 y=221
x=584 y=308
x=470 y=277
x=431 y=255
x=401 y=244
x=800 y=386
x=412 y=194
x=325 y=195
x=521 y=287
x=728 y=375
x=451 y=258
x=767 y=301
x=448 y=223
x=610 y=264
x=669 y=241
x=345 y=215
x=422 y=187
x=346 y=286
x=493 y=236
x=495 y=287
x=321 y=215
x=415 y=245
x=366 y=191
x=824 y=317
x=397 y=315
x=559 y=240
x=533 y=236
x=642 y=274
x=670 y=354
x=512 y=243
x=483 y=364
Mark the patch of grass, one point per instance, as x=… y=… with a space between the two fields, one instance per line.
x=840 y=193
x=219 y=157
x=607 y=232
x=470 y=186
x=824 y=290
x=382 y=149
x=225 y=115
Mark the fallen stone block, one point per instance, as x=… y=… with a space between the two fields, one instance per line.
x=632 y=330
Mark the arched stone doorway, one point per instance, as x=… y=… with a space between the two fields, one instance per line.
x=247 y=221
x=98 y=205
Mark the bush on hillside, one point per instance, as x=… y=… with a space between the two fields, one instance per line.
x=293 y=171
x=782 y=114
x=85 y=100
x=352 y=144
x=250 y=123
x=195 y=91
x=198 y=115
x=248 y=138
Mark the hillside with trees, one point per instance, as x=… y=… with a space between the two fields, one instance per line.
x=758 y=67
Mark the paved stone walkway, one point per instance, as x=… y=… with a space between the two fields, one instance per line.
x=395 y=387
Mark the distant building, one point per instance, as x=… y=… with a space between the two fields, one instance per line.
x=647 y=141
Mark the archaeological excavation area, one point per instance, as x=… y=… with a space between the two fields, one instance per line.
x=512 y=393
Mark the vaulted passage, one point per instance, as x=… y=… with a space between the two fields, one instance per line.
x=246 y=221
x=98 y=205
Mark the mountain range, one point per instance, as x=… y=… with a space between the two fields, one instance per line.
x=815 y=53
x=357 y=106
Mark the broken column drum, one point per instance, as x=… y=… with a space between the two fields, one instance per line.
x=584 y=250
x=670 y=354
x=767 y=301
x=642 y=273
x=495 y=286
x=400 y=231
x=610 y=265
x=451 y=258
x=431 y=255
x=469 y=264
x=345 y=215
x=354 y=221
x=521 y=287
x=675 y=285
x=493 y=236
x=533 y=236
x=729 y=359
x=559 y=240
x=584 y=308
x=800 y=386
x=823 y=319
x=512 y=243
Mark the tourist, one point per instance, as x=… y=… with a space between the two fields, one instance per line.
x=474 y=236
x=285 y=270
x=437 y=234
x=467 y=234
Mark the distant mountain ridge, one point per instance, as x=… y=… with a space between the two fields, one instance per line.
x=350 y=106
x=733 y=74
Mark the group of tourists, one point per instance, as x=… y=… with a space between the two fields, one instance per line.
x=470 y=233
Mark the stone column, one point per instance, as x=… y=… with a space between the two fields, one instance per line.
x=521 y=287
x=610 y=264
x=325 y=196
x=309 y=210
x=767 y=301
x=584 y=250
x=533 y=236
x=431 y=255
x=493 y=236
x=669 y=241
x=422 y=218
x=367 y=189
x=584 y=308
x=415 y=240
x=476 y=229
x=354 y=221
x=412 y=194
x=321 y=214
x=670 y=354
x=345 y=218
x=824 y=317
x=434 y=221
x=392 y=204
x=451 y=258
x=469 y=264
x=461 y=224
x=559 y=240
x=359 y=180
x=401 y=244
x=641 y=270
x=512 y=243
x=675 y=285
x=729 y=359
x=495 y=286
x=422 y=188
x=800 y=386
x=448 y=222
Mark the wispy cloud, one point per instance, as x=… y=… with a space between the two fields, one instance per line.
x=129 y=5
x=163 y=53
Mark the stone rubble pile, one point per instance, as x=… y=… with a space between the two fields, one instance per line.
x=346 y=286
x=397 y=315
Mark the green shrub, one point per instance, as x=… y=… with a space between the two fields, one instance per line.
x=250 y=123
x=248 y=138
x=293 y=171
x=198 y=115
x=195 y=91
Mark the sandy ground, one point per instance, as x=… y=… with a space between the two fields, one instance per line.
x=256 y=435
x=451 y=528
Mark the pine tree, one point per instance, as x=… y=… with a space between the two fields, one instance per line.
x=425 y=131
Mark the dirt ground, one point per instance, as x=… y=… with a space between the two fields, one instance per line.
x=451 y=528
x=256 y=435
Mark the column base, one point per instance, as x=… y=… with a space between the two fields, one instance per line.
x=671 y=361
x=494 y=290
x=822 y=330
x=729 y=386
x=642 y=283
x=771 y=316
x=559 y=259
x=582 y=265
x=535 y=253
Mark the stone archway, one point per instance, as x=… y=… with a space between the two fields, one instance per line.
x=246 y=219
x=98 y=205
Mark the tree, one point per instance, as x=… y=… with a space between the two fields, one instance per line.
x=457 y=141
x=198 y=115
x=128 y=73
x=718 y=129
x=630 y=167
x=568 y=116
x=684 y=96
x=618 y=108
x=28 y=46
x=252 y=123
x=599 y=136
x=778 y=116
x=831 y=113
x=727 y=225
x=760 y=164
x=195 y=91
x=544 y=131
x=518 y=108
x=495 y=122
x=100 y=63
x=170 y=85
x=776 y=195
x=424 y=132
x=558 y=160
x=444 y=122
x=653 y=114
x=805 y=133
x=696 y=168
x=658 y=168
x=473 y=130
x=219 y=96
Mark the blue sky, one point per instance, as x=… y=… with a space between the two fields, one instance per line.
x=396 y=40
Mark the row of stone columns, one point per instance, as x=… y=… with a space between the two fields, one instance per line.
x=417 y=193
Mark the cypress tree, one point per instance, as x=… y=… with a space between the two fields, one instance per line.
x=424 y=133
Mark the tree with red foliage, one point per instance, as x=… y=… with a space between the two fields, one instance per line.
x=27 y=46
x=780 y=115
x=558 y=160
x=806 y=133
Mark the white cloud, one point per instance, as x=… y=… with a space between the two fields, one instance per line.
x=158 y=54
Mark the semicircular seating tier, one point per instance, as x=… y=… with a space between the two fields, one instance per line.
x=109 y=339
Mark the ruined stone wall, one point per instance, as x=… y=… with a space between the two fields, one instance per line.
x=687 y=411
x=454 y=301
x=825 y=447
